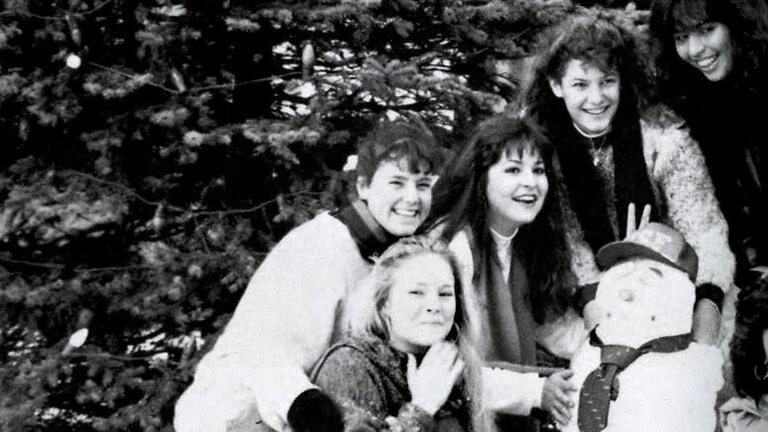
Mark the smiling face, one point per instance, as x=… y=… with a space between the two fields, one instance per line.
x=591 y=95
x=398 y=199
x=516 y=188
x=421 y=304
x=708 y=48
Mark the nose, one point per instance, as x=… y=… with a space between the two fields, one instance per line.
x=410 y=192
x=432 y=303
x=527 y=178
x=626 y=295
x=594 y=94
x=695 y=47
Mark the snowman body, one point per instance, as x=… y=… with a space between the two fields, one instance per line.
x=640 y=300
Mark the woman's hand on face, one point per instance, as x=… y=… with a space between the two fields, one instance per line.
x=555 y=396
x=644 y=219
x=432 y=381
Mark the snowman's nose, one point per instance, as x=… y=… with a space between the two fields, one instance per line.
x=626 y=295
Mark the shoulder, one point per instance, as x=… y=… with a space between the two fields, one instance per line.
x=667 y=141
x=344 y=360
x=323 y=232
x=461 y=247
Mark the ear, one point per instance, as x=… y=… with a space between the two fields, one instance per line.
x=362 y=188
x=557 y=89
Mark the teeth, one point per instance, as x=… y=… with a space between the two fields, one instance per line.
x=706 y=62
x=596 y=110
x=528 y=199
x=407 y=213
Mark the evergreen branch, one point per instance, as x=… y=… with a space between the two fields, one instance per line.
x=133 y=76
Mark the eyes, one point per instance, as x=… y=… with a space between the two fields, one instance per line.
x=702 y=30
x=607 y=81
x=516 y=168
x=422 y=184
x=420 y=292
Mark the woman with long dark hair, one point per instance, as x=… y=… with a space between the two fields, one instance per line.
x=492 y=205
x=713 y=68
x=612 y=155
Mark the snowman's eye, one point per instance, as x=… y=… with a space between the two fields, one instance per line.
x=653 y=317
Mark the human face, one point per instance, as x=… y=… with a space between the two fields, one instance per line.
x=708 y=48
x=516 y=188
x=398 y=199
x=421 y=304
x=591 y=96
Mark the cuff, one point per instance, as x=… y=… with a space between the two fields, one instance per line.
x=415 y=418
x=275 y=389
x=710 y=292
x=584 y=294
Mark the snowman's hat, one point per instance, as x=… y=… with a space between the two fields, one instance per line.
x=655 y=241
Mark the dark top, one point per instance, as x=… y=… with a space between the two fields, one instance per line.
x=368 y=379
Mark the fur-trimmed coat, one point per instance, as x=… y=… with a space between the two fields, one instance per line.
x=684 y=194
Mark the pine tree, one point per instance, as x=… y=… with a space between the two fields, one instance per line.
x=153 y=152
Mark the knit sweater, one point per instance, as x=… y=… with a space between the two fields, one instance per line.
x=291 y=311
x=367 y=378
x=684 y=194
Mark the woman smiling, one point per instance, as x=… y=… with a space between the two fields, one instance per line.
x=713 y=71
x=612 y=156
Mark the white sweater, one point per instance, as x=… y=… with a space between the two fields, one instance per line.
x=290 y=313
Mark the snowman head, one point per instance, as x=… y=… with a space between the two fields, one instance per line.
x=647 y=290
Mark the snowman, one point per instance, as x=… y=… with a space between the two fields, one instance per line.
x=640 y=369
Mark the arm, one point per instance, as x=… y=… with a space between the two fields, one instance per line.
x=683 y=180
x=510 y=392
x=357 y=385
x=282 y=324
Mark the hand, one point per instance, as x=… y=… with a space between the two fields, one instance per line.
x=431 y=382
x=314 y=411
x=555 y=396
x=644 y=219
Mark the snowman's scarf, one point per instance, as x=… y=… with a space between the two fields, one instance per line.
x=601 y=385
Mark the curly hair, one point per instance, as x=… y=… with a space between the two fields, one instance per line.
x=747 y=23
x=594 y=37
x=460 y=201
x=747 y=350
x=395 y=140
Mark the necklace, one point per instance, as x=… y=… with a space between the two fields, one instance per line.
x=599 y=149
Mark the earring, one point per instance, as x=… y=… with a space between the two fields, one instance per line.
x=761 y=372
x=454 y=334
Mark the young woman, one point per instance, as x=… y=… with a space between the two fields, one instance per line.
x=749 y=355
x=713 y=65
x=293 y=307
x=610 y=154
x=491 y=206
x=409 y=306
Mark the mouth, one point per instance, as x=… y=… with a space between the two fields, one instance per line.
x=407 y=213
x=526 y=199
x=705 y=63
x=597 y=110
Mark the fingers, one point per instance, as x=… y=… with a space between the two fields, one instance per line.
x=631 y=218
x=411 y=369
x=561 y=414
x=646 y=217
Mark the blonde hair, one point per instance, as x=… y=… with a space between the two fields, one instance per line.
x=365 y=314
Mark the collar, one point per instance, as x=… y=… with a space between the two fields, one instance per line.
x=591 y=135
x=370 y=237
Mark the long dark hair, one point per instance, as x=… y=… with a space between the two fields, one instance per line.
x=460 y=201
x=596 y=39
x=747 y=351
x=747 y=23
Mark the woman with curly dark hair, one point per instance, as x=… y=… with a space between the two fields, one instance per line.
x=612 y=155
x=749 y=356
x=713 y=65
x=493 y=208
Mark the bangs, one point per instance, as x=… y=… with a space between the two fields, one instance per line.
x=520 y=147
x=411 y=156
x=688 y=14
